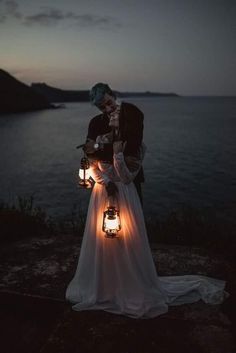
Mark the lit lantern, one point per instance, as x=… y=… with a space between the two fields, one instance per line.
x=84 y=174
x=111 y=222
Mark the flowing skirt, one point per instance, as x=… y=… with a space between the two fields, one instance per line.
x=118 y=275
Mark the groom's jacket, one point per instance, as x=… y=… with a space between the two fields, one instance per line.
x=131 y=130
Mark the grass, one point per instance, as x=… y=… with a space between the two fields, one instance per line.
x=22 y=219
x=194 y=227
x=184 y=226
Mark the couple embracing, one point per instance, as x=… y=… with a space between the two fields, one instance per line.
x=118 y=274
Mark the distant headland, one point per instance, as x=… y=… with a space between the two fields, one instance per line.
x=18 y=97
x=58 y=95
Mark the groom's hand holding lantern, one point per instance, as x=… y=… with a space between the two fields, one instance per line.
x=90 y=146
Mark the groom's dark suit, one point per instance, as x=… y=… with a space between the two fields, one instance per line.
x=131 y=130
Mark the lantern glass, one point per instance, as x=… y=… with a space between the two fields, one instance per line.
x=111 y=222
x=84 y=174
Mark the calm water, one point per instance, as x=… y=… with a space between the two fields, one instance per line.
x=191 y=156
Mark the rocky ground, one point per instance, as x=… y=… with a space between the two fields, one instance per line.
x=36 y=318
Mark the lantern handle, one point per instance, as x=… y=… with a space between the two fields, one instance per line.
x=80 y=146
x=113 y=201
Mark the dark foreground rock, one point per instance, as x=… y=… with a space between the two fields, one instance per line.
x=35 y=317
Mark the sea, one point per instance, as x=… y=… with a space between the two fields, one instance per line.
x=190 y=159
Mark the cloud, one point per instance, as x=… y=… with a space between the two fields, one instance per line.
x=90 y=20
x=50 y=16
x=11 y=8
x=47 y=17
x=3 y=16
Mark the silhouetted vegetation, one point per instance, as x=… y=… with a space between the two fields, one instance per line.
x=184 y=226
x=194 y=227
x=22 y=219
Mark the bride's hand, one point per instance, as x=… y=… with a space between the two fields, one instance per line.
x=119 y=146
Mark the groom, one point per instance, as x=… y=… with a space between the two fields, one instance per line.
x=118 y=121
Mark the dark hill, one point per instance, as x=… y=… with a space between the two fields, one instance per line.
x=58 y=95
x=16 y=96
x=146 y=94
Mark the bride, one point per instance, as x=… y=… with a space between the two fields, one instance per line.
x=118 y=274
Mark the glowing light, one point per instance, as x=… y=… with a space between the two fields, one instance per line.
x=84 y=174
x=111 y=222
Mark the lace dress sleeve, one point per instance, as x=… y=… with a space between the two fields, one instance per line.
x=125 y=173
x=97 y=175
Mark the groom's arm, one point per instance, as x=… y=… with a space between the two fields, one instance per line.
x=92 y=134
x=96 y=128
x=93 y=129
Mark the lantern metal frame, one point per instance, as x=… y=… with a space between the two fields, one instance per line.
x=84 y=183
x=113 y=214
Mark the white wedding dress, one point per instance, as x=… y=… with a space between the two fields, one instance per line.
x=118 y=275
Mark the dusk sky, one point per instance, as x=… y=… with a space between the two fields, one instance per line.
x=182 y=46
